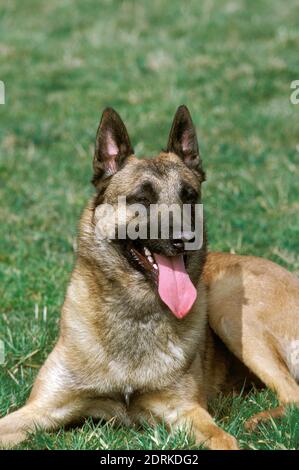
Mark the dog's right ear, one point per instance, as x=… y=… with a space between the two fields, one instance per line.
x=112 y=146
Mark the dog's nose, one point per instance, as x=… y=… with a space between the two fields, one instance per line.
x=178 y=244
x=181 y=238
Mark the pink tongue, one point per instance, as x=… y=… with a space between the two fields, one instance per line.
x=175 y=286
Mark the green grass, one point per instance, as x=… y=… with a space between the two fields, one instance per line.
x=232 y=63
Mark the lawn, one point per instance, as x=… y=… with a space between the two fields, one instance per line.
x=232 y=62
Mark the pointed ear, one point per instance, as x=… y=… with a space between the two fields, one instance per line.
x=112 y=146
x=183 y=141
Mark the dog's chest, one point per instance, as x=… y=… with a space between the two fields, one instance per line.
x=143 y=357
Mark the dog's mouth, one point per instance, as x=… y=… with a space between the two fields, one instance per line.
x=145 y=261
x=168 y=273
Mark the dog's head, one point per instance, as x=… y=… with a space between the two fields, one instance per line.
x=151 y=255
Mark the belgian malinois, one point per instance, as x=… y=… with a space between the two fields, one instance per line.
x=135 y=343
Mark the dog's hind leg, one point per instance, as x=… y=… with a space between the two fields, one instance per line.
x=253 y=307
x=262 y=354
x=272 y=369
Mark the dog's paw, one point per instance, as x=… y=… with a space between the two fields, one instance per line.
x=8 y=441
x=223 y=441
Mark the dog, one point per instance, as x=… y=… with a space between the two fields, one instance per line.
x=150 y=331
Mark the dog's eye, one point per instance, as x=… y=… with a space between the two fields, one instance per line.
x=138 y=199
x=143 y=200
x=145 y=195
x=188 y=194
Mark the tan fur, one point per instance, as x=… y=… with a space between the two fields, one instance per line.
x=254 y=308
x=122 y=355
x=88 y=375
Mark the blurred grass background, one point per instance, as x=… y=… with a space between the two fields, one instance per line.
x=62 y=62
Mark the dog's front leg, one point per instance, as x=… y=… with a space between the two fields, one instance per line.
x=15 y=427
x=54 y=402
x=179 y=412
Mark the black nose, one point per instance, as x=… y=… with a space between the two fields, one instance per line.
x=178 y=244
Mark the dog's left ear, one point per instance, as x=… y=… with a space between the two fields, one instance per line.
x=112 y=147
x=183 y=141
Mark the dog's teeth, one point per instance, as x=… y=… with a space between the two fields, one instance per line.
x=147 y=252
x=150 y=258
x=155 y=266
